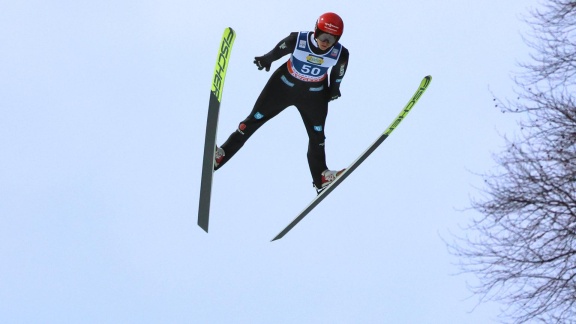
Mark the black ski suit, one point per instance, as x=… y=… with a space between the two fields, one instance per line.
x=283 y=90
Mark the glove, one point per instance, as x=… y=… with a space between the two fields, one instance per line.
x=262 y=62
x=334 y=94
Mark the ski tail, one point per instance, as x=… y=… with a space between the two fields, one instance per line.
x=423 y=86
x=212 y=126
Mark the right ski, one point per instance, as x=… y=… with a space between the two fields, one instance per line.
x=212 y=127
x=423 y=86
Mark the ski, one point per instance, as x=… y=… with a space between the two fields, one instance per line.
x=423 y=86
x=212 y=126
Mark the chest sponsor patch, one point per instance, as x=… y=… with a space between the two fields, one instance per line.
x=334 y=52
x=315 y=60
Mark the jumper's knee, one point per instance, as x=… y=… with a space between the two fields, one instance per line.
x=241 y=128
x=248 y=126
x=316 y=136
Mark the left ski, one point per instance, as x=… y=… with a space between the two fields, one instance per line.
x=423 y=86
x=212 y=127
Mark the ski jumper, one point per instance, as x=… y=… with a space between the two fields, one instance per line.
x=304 y=81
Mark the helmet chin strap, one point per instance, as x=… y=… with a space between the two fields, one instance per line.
x=314 y=42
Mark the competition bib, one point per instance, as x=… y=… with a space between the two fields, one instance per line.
x=309 y=67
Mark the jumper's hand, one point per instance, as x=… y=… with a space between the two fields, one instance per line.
x=262 y=63
x=334 y=94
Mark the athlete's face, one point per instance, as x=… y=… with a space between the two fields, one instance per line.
x=324 y=45
x=325 y=40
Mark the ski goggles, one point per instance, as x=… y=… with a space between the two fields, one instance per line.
x=325 y=37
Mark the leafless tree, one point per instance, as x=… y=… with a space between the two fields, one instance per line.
x=523 y=247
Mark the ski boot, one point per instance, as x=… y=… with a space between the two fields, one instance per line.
x=328 y=176
x=218 y=156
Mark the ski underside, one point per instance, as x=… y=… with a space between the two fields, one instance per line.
x=421 y=89
x=212 y=126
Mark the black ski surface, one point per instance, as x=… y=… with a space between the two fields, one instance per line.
x=421 y=89
x=212 y=127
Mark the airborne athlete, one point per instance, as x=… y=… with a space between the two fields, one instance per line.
x=308 y=80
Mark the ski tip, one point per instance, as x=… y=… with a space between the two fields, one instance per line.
x=231 y=31
x=426 y=81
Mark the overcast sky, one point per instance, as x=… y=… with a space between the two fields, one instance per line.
x=102 y=112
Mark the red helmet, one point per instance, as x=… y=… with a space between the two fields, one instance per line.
x=330 y=23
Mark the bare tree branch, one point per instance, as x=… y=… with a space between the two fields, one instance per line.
x=523 y=248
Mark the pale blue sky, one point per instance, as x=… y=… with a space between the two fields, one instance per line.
x=102 y=113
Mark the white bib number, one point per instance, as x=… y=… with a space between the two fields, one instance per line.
x=311 y=70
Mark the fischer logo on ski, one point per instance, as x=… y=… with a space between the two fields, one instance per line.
x=222 y=62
